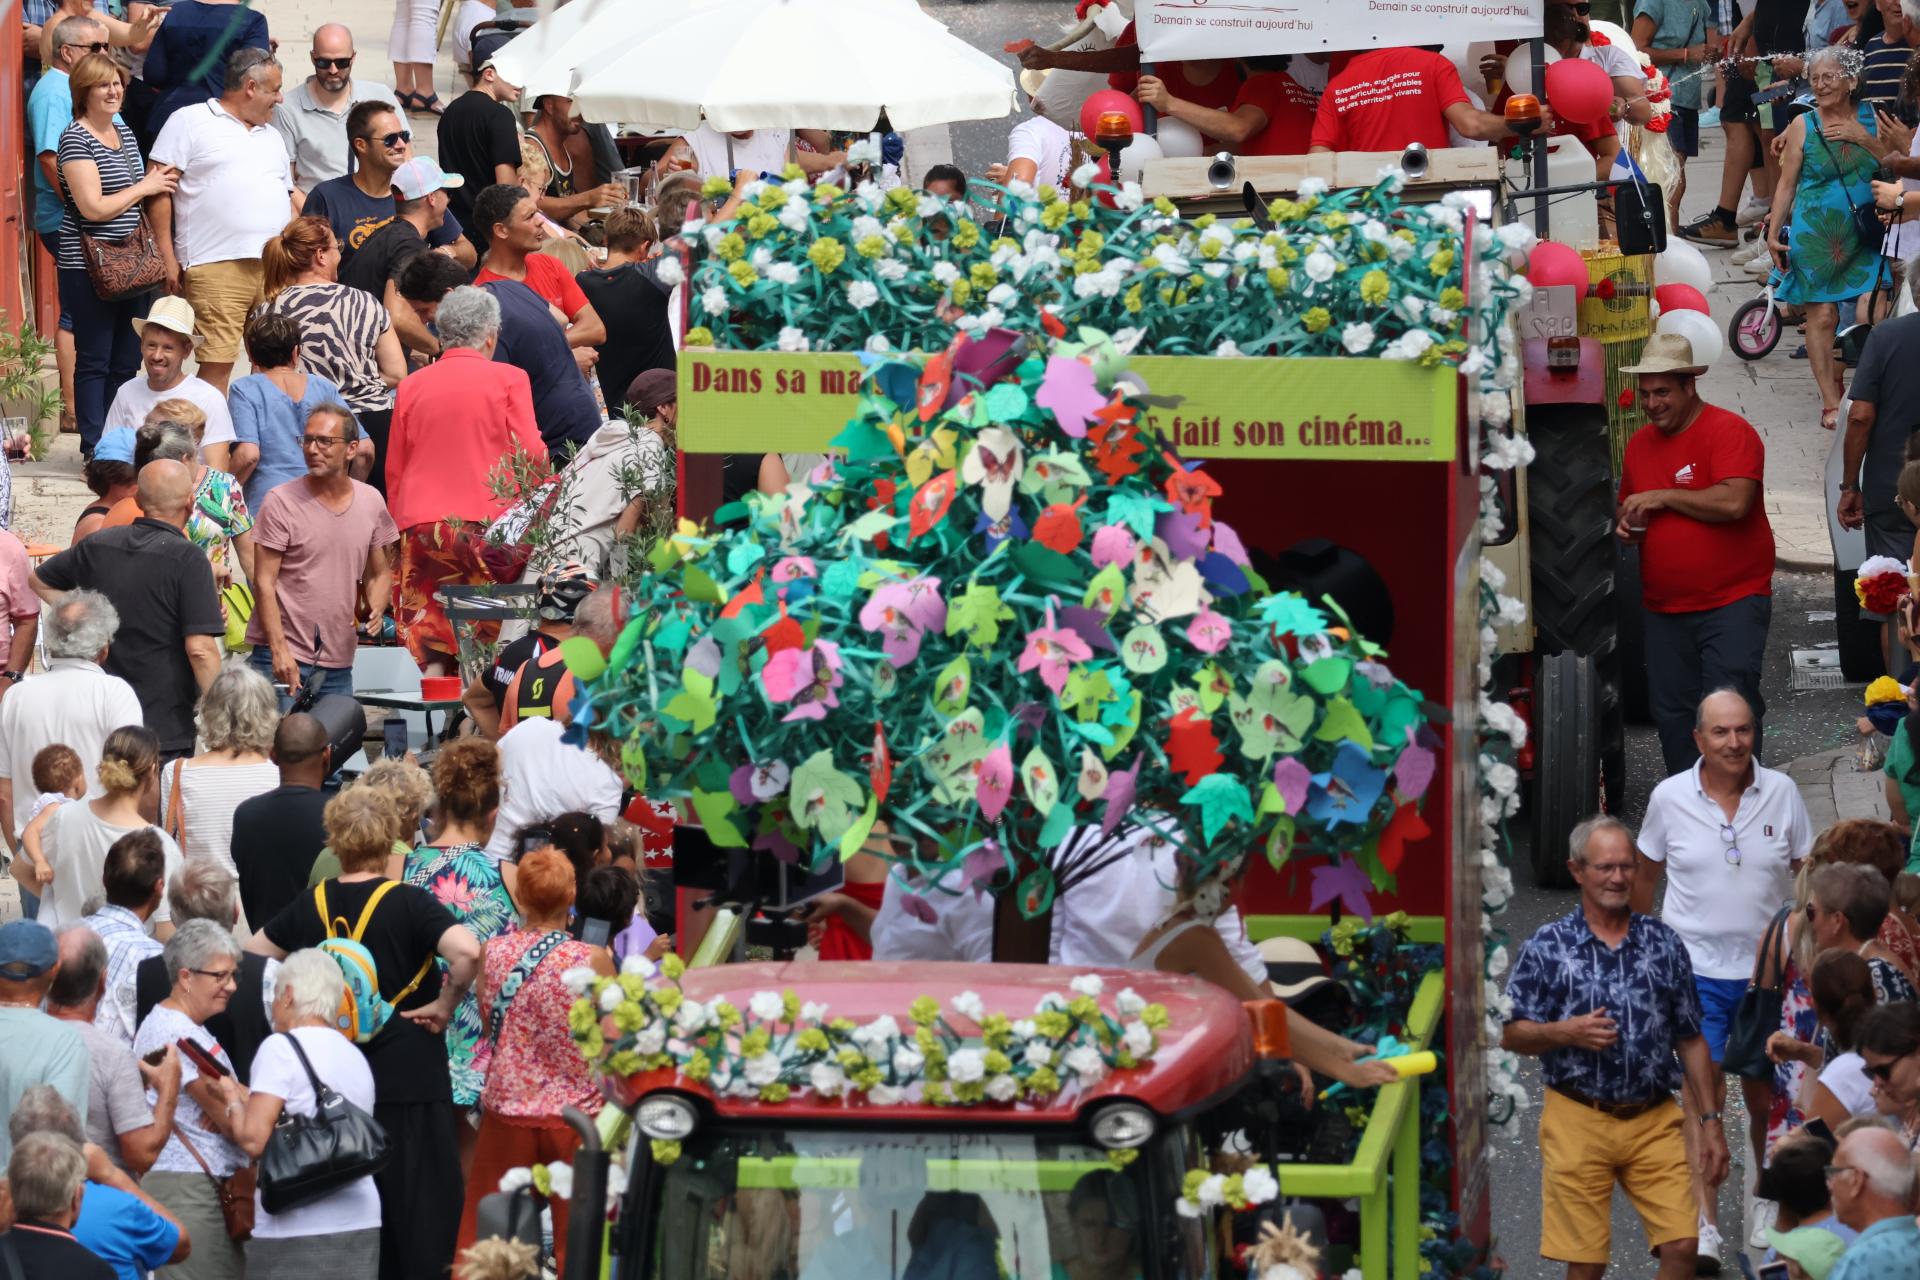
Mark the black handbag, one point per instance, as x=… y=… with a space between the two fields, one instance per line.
x=1757 y=1016
x=309 y=1156
x=1869 y=223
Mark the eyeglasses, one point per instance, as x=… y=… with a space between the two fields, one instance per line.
x=91 y=46
x=1730 y=838
x=1828 y=77
x=1830 y=1170
x=221 y=977
x=1611 y=868
x=401 y=138
x=328 y=64
x=320 y=442
x=1884 y=1071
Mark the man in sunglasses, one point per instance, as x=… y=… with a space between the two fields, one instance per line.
x=313 y=119
x=359 y=203
x=1872 y=1182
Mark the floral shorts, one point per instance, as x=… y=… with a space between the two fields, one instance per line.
x=441 y=554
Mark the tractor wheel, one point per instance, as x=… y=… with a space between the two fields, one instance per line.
x=1574 y=561
x=1567 y=760
x=1860 y=657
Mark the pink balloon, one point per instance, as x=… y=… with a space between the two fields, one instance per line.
x=1579 y=91
x=1681 y=297
x=1553 y=263
x=1111 y=100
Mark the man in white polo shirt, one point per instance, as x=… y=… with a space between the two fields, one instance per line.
x=235 y=194
x=1729 y=833
x=312 y=122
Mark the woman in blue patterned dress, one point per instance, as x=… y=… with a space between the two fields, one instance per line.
x=460 y=875
x=1826 y=172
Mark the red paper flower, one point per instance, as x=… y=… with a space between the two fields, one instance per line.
x=1658 y=124
x=1626 y=398
x=1883 y=592
x=1603 y=290
x=1597 y=40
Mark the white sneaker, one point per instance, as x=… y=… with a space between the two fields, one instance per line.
x=1760 y=1217
x=1759 y=265
x=1708 y=1262
x=1747 y=253
x=1751 y=212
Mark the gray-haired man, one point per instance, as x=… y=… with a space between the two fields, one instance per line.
x=235 y=194
x=73 y=702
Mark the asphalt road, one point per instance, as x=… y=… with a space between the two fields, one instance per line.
x=988 y=25
x=1797 y=724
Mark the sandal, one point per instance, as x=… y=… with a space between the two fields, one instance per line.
x=1829 y=419
x=427 y=102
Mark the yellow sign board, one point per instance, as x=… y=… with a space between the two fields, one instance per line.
x=1305 y=409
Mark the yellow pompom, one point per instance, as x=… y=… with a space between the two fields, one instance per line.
x=1885 y=689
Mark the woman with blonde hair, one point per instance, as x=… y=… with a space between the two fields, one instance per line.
x=77 y=837
x=236 y=719
x=218 y=522
x=409 y=791
x=405 y=929
x=346 y=335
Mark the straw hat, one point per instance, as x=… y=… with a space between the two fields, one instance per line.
x=171 y=313
x=1294 y=969
x=1666 y=353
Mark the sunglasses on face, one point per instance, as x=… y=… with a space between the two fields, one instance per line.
x=91 y=46
x=330 y=64
x=1582 y=8
x=1883 y=1073
x=392 y=140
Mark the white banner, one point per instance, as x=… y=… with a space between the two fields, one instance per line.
x=1174 y=29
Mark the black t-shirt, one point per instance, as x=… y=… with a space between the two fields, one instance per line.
x=509 y=660
x=530 y=340
x=1779 y=26
x=355 y=216
x=409 y=1063
x=162 y=587
x=48 y=1252
x=476 y=133
x=382 y=257
x=1889 y=380
x=276 y=837
x=632 y=302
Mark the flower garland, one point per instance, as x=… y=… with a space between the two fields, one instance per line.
x=1881 y=583
x=642 y=1021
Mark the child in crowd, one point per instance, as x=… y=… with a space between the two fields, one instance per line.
x=59 y=777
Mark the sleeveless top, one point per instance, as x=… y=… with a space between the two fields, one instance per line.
x=1150 y=958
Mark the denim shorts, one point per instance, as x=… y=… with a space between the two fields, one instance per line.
x=1719 y=997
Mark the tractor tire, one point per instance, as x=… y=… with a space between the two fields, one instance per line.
x=1861 y=659
x=1567 y=760
x=1574 y=563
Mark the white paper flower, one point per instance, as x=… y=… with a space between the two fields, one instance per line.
x=1138 y=1039
x=1085 y=1062
x=514 y=1179
x=880 y=1030
x=1088 y=984
x=794 y=214
x=690 y=1017
x=667 y=270
x=966 y=1066
x=761 y=1070
x=1357 y=338
x=560 y=1179
x=878 y=344
x=783 y=273
x=1168 y=259
x=1039 y=1054
x=652 y=1038
x=1129 y=1002
x=1259 y=1185
x=1310 y=188
x=885 y=1095
x=827 y=1080
x=713 y=300
x=865 y=151
x=1129 y=196
x=578 y=980
x=766 y=1006
x=1227 y=347
x=907 y=1061
x=1085 y=174
x=890 y=269
x=1003 y=1088
x=969 y=1005
x=1212 y=1193
x=862 y=294
x=610 y=997
x=813 y=1011
x=1320 y=266
x=945 y=272
x=713 y=235
x=792 y=339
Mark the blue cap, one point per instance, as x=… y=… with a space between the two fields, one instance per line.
x=27 y=950
x=114 y=446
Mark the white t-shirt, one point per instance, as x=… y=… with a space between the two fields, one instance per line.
x=76 y=842
x=136 y=399
x=72 y=702
x=1046 y=144
x=470 y=15
x=163 y=1027
x=233 y=188
x=343 y=1069
x=764 y=151
x=962 y=927
x=1720 y=909
x=1615 y=60
x=542 y=777
x=1847 y=1080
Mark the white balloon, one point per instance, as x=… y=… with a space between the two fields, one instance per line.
x=1682 y=264
x=1520 y=68
x=1136 y=154
x=1178 y=138
x=1700 y=332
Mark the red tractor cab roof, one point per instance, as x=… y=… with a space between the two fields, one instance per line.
x=1204 y=1053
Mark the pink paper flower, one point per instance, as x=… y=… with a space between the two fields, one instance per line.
x=902 y=612
x=1209 y=631
x=804 y=677
x=993 y=781
x=1112 y=544
x=793 y=568
x=1053 y=650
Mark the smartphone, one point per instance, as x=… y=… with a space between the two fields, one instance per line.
x=1771 y=1271
x=203 y=1062
x=532 y=838
x=595 y=932
x=1818 y=1128
x=394 y=731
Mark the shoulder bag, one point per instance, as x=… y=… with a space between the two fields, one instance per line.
x=530 y=959
x=1869 y=224
x=121 y=269
x=235 y=1190
x=176 y=809
x=1757 y=1016
x=308 y=1157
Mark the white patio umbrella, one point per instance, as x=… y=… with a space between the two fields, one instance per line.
x=541 y=60
x=783 y=64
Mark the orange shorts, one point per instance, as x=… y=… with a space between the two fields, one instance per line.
x=1585 y=1152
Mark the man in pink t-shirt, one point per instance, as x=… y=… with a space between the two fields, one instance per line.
x=22 y=609
x=321 y=543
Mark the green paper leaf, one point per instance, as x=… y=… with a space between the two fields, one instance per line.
x=1086 y=691
x=1058 y=824
x=633 y=762
x=699 y=585
x=1328 y=676
x=1343 y=722
x=978 y=612
x=583 y=658
x=1280 y=843
x=1221 y=799
x=841 y=579
x=1035 y=892
x=1135 y=510
x=886 y=681
x=1271 y=801
x=673 y=634
x=1144 y=651
x=857 y=833
x=742 y=556
x=693 y=704
x=863 y=442
x=1044 y=565
x=1272 y=718
x=1041 y=782
x=1107 y=592
x=1125 y=732
x=870 y=526
x=821 y=798
x=730 y=512
x=714 y=808
x=952 y=687
x=1006 y=401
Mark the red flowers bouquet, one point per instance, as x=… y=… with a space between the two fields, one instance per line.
x=1881 y=583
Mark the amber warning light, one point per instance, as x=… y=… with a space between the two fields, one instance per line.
x=1269 y=1019
x=1523 y=113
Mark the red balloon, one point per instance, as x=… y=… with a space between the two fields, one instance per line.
x=1553 y=263
x=1579 y=91
x=1109 y=100
x=1681 y=297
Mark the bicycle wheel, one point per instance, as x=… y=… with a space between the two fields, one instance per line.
x=1754 y=330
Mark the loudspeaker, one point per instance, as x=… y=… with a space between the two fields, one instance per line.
x=1640 y=217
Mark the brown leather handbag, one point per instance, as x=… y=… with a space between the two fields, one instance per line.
x=235 y=1190
x=126 y=268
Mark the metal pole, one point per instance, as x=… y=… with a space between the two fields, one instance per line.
x=1537 y=174
x=1150 y=118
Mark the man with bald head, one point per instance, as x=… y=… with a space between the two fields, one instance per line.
x=160 y=584
x=1871 y=1180
x=277 y=835
x=1729 y=834
x=312 y=121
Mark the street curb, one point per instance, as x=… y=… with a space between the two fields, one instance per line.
x=1800 y=564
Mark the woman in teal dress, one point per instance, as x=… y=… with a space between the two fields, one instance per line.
x=458 y=872
x=1826 y=172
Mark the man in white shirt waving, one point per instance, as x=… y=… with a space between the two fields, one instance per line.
x=1729 y=833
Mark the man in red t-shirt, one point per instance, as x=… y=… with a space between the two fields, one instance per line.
x=1690 y=499
x=1272 y=115
x=1383 y=99
x=1210 y=82
x=507 y=220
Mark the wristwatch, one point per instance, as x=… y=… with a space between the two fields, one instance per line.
x=1711 y=1115
x=15 y=676
x=1848 y=486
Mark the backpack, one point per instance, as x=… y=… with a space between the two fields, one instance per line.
x=363 y=1010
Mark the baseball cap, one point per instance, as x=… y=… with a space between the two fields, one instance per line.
x=423 y=176
x=1816 y=1249
x=115 y=445
x=562 y=590
x=27 y=950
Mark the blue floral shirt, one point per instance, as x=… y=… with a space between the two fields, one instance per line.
x=1646 y=987
x=1890 y=1247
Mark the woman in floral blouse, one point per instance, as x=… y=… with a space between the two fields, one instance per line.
x=456 y=870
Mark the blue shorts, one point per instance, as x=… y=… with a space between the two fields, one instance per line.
x=1683 y=131
x=1719 y=997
